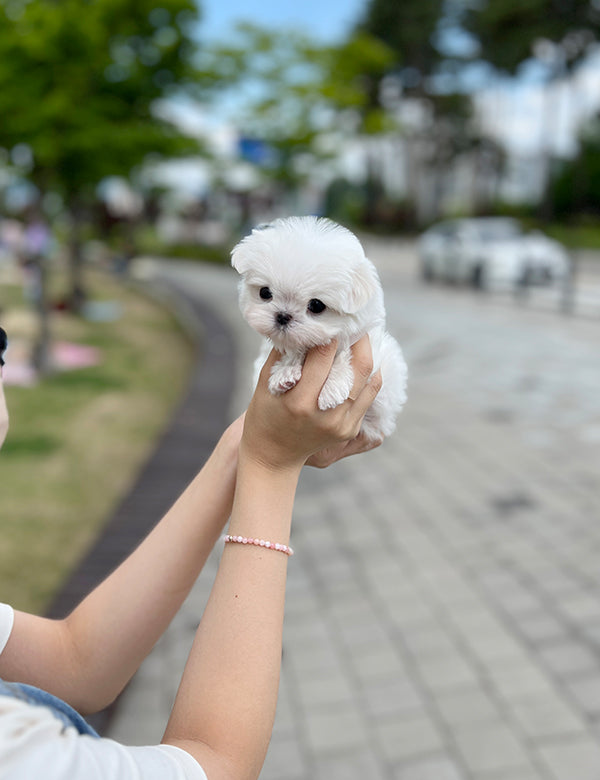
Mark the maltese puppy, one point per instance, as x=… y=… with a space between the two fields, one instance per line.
x=306 y=281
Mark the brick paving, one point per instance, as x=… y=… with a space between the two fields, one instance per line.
x=443 y=612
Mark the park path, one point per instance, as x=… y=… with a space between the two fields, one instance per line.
x=443 y=612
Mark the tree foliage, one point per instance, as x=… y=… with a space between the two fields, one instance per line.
x=560 y=32
x=290 y=90
x=354 y=72
x=576 y=185
x=78 y=82
x=274 y=77
x=409 y=30
x=555 y=34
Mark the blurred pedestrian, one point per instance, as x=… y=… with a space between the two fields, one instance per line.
x=35 y=256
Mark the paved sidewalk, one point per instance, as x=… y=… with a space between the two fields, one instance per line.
x=443 y=613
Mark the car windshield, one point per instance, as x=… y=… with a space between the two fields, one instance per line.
x=498 y=230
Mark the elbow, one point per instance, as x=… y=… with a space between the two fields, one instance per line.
x=91 y=703
x=93 y=684
x=88 y=698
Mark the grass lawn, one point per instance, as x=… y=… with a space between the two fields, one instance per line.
x=581 y=236
x=77 y=439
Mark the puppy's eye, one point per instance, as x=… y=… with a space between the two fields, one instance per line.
x=316 y=306
x=265 y=293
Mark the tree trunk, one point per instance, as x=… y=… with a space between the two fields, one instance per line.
x=78 y=294
x=555 y=108
x=41 y=358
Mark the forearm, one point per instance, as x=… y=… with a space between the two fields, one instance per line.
x=96 y=650
x=226 y=703
x=119 y=623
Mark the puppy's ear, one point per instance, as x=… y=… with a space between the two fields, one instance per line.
x=239 y=258
x=363 y=286
x=243 y=254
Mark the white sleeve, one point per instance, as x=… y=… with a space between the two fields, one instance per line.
x=7 y=618
x=33 y=743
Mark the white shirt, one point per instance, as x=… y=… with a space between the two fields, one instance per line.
x=35 y=744
x=7 y=618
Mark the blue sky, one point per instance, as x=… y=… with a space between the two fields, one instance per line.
x=330 y=20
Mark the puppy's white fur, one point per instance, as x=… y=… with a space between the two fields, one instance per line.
x=302 y=259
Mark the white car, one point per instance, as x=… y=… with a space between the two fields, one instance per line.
x=490 y=252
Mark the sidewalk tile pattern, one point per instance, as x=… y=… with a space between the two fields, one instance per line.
x=443 y=609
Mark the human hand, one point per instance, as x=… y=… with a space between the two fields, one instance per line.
x=282 y=432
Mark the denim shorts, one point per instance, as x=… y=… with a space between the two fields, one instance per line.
x=60 y=709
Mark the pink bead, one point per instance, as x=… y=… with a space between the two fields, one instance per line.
x=259 y=543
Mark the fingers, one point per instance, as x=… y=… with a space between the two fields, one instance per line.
x=265 y=371
x=315 y=371
x=367 y=396
x=360 y=444
x=355 y=446
x=317 y=365
x=362 y=365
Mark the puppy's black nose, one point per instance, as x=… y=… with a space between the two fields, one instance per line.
x=283 y=318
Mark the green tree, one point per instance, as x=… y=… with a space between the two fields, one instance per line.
x=272 y=79
x=555 y=35
x=354 y=73
x=79 y=81
x=413 y=31
x=409 y=30
x=576 y=186
x=291 y=92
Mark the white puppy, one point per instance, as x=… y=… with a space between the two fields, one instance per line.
x=306 y=281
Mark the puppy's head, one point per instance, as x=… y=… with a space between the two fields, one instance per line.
x=304 y=281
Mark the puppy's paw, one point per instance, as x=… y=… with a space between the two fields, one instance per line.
x=283 y=378
x=332 y=394
x=339 y=382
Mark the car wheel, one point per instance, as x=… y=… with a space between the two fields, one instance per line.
x=527 y=277
x=426 y=273
x=479 y=277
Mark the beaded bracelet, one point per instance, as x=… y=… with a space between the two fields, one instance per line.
x=284 y=548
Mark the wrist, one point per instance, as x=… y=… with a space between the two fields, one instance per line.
x=281 y=468
x=264 y=499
